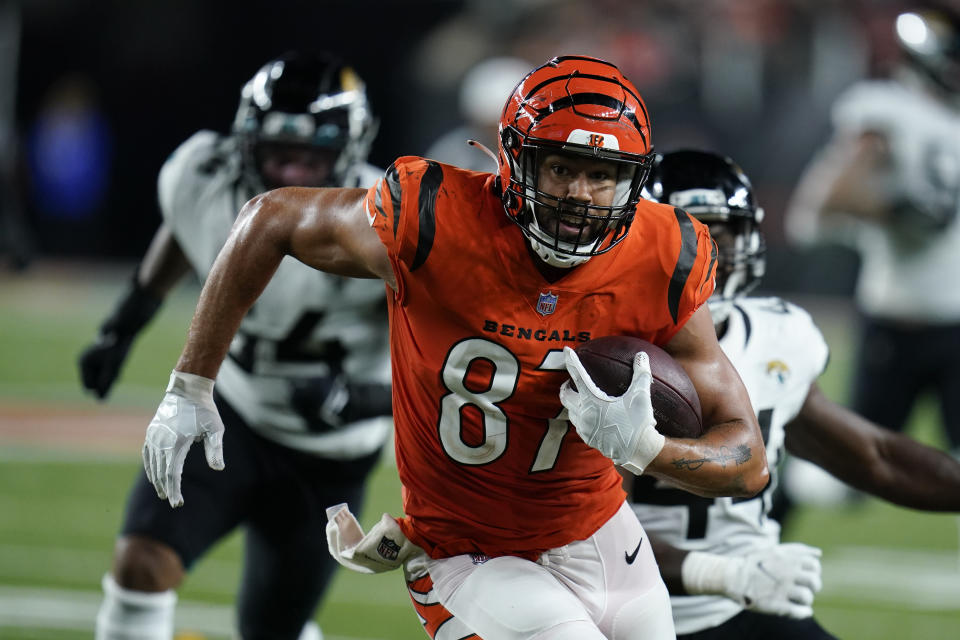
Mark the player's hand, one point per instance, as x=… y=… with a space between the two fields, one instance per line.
x=101 y=361
x=781 y=580
x=322 y=401
x=186 y=414
x=330 y=402
x=622 y=427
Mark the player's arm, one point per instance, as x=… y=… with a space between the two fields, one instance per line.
x=850 y=177
x=324 y=228
x=729 y=459
x=779 y=580
x=873 y=459
x=162 y=267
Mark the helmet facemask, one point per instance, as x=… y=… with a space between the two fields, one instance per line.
x=585 y=113
x=741 y=259
x=715 y=191
x=311 y=111
x=564 y=232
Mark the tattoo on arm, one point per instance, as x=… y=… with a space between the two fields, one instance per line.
x=739 y=455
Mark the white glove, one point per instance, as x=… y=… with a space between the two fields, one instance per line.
x=621 y=428
x=383 y=549
x=186 y=414
x=780 y=580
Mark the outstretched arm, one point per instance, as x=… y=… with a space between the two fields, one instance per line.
x=324 y=228
x=779 y=580
x=849 y=177
x=873 y=459
x=729 y=459
x=164 y=264
x=161 y=268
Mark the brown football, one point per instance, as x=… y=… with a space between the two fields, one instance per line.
x=676 y=405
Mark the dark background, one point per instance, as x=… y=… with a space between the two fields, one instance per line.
x=751 y=78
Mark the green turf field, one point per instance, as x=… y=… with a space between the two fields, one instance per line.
x=888 y=572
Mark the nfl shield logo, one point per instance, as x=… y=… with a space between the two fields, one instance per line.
x=388 y=549
x=547 y=303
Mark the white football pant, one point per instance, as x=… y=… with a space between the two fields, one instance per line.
x=605 y=587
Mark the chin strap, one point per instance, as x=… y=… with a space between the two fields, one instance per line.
x=548 y=255
x=482 y=147
x=555 y=259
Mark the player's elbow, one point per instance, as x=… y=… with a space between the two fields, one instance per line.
x=755 y=478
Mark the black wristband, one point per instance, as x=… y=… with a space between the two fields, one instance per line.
x=133 y=311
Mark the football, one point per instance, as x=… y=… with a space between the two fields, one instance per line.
x=676 y=405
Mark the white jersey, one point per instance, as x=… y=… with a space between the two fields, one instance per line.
x=779 y=353
x=304 y=325
x=909 y=281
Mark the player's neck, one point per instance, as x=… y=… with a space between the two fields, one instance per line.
x=549 y=272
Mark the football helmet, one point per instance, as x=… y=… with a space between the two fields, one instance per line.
x=310 y=101
x=930 y=41
x=716 y=191
x=582 y=107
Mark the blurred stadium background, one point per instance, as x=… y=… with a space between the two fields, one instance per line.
x=95 y=94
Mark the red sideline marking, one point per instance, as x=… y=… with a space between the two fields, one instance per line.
x=84 y=429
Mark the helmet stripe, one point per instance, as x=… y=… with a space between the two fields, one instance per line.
x=600 y=99
x=590 y=76
x=560 y=59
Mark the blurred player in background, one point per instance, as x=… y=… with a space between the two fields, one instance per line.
x=480 y=101
x=889 y=183
x=520 y=519
x=722 y=558
x=304 y=387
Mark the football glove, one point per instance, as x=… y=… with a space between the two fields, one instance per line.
x=622 y=427
x=329 y=403
x=780 y=580
x=384 y=548
x=186 y=414
x=100 y=362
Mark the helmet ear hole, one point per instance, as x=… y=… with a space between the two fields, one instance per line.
x=508 y=139
x=509 y=199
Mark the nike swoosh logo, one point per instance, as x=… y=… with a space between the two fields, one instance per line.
x=630 y=557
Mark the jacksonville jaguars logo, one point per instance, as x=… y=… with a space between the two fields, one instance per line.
x=778 y=370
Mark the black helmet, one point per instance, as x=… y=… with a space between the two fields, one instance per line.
x=930 y=40
x=716 y=191
x=313 y=100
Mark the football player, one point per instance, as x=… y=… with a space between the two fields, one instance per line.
x=728 y=572
x=889 y=183
x=304 y=386
x=521 y=520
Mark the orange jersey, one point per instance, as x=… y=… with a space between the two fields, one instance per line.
x=486 y=461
